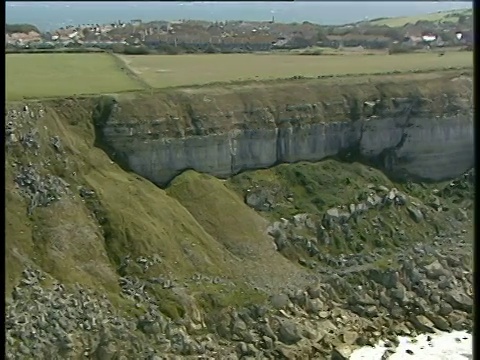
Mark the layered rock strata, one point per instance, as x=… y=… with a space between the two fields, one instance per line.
x=420 y=128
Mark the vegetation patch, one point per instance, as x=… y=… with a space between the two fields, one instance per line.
x=324 y=198
x=452 y=16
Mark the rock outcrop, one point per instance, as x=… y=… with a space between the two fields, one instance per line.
x=420 y=128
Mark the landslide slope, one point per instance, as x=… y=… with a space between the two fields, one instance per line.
x=74 y=213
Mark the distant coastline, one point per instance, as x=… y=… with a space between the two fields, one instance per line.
x=52 y=15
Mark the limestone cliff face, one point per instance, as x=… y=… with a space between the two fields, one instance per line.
x=420 y=127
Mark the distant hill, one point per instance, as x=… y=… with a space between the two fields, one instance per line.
x=442 y=16
x=20 y=28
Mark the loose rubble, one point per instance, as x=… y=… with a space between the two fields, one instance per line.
x=329 y=319
x=40 y=190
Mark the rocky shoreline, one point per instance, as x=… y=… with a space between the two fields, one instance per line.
x=431 y=289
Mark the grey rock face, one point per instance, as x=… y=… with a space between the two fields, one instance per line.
x=418 y=145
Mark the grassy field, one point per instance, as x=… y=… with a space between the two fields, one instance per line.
x=60 y=75
x=164 y=71
x=51 y=75
x=443 y=16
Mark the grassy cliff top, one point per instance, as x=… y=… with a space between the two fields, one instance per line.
x=37 y=76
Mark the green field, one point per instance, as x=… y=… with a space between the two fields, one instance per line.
x=60 y=75
x=443 y=16
x=179 y=70
x=51 y=75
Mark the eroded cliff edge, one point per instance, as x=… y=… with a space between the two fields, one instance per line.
x=416 y=126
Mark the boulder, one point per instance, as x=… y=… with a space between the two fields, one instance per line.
x=299 y=220
x=453 y=261
x=238 y=327
x=459 y=300
x=445 y=283
x=371 y=311
x=334 y=215
x=105 y=351
x=313 y=306
x=461 y=215
x=259 y=199
x=397 y=312
x=422 y=323
x=439 y=322
x=401 y=329
x=279 y=301
x=349 y=337
x=387 y=354
x=435 y=270
x=384 y=300
x=314 y=292
x=341 y=353
x=267 y=342
x=399 y=293
x=415 y=214
x=445 y=309
x=457 y=320
x=246 y=349
x=401 y=199
x=361 y=298
x=389 y=279
x=383 y=188
x=373 y=200
x=289 y=333
x=312 y=334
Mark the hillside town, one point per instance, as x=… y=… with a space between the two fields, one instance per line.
x=238 y=36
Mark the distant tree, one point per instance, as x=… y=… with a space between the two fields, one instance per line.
x=20 y=28
x=136 y=50
x=321 y=35
x=394 y=33
x=448 y=36
x=118 y=48
x=86 y=32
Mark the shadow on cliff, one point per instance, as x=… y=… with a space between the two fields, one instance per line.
x=102 y=112
x=388 y=162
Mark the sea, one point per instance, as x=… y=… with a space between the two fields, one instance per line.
x=456 y=345
x=47 y=15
